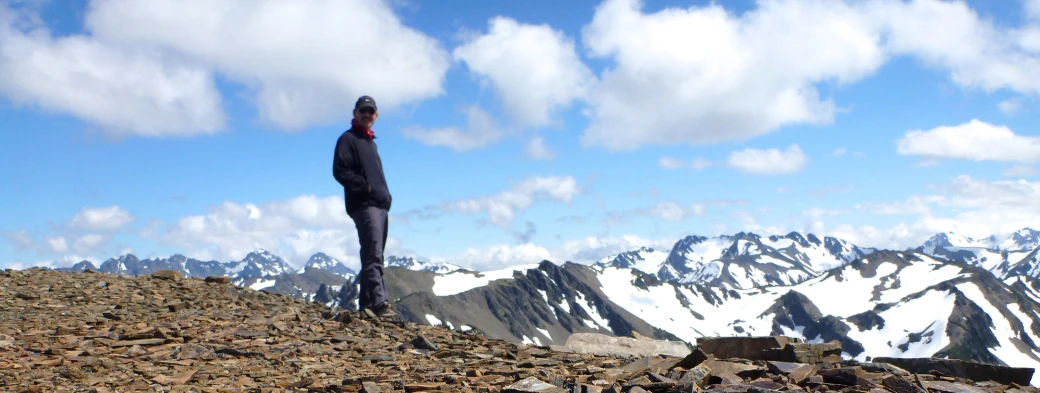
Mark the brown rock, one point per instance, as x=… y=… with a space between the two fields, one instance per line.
x=218 y=279
x=167 y=275
x=971 y=370
x=751 y=348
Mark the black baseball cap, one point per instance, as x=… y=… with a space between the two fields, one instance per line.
x=364 y=101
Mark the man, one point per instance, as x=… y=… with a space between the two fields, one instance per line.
x=358 y=168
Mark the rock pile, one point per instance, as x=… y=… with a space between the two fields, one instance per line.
x=91 y=332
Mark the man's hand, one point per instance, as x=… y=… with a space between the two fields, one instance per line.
x=369 y=188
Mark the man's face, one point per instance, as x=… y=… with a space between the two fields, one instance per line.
x=366 y=116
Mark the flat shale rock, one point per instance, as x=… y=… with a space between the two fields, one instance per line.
x=95 y=332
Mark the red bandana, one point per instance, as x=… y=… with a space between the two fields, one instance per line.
x=371 y=133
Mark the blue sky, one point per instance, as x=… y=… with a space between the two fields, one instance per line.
x=512 y=131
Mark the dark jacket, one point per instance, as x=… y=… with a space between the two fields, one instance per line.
x=356 y=166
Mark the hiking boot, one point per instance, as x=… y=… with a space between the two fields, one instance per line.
x=367 y=313
x=385 y=311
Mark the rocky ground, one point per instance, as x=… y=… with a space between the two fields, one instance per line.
x=92 y=332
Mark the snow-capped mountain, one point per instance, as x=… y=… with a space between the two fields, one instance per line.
x=322 y=261
x=644 y=259
x=1004 y=259
x=953 y=239
x=744 y=260
x=894 y=304
x=952 y=297
x=411 y=263
x=258 y=264
x=1024 y=240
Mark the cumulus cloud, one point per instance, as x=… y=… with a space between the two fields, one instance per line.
x=258 y=44
x=534 y=68
x=481 y=130
x=497 y=256
x=977 y=208
x=295 y=228
x=953 y=37
x=502 y=208
x=21 y=240
x=109 y=218
x=90 y=243
x=147 y=68
x=975 y=140
x=57 y=244
x=768 y=161
x=592 y=249
x=1011 y=106
x=537 y=149
x=671 y=163
x=671 y=211
x=694 y=75
x=584 y=250
x=913 y=205
x=124 y=91
x=1021 y=170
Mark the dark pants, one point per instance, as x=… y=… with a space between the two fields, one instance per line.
x=371 y=224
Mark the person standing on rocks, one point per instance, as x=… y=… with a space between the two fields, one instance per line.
x=359 y=169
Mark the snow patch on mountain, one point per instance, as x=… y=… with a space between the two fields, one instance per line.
x=463 y=280
x=925 y=316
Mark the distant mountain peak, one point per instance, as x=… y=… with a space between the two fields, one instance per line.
x=411 y=263
x=1021 y=240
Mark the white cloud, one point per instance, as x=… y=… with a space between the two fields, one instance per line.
x=750 y=223
x=1010 y=106
x=480 y=131
x=912 y=205
x=258 y=44
x=21 y=240
x=62 y=261
x=671 y=211
x=123 y=91
x=927 y=163
x=536 y=149
x=768 y=161
x=585 y=250
x=974 y=140
x=701 y=163
x=148 y=67
x=496 y=256
x=502 y=208
x=294 y=228
x=90 y=243
x=534 y=69
x=1020 y=171
x=594 y=248
x=840 y=151
x=694 y=75
x=671 y=162
x=952 y=36
x=57 y=244
x=978 y=209
x=109 y=218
